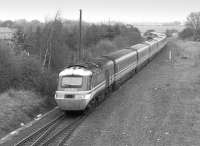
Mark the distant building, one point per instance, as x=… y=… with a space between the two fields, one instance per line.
x=7 y=33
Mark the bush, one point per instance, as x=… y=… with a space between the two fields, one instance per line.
x=21 y=71
x=6 y=67
x=133 y=37
x=121 y=42
x=29 y=71
x=101 y=48
x=48 y=83
x=186 y=33
x=31 y=76
x=197 y=35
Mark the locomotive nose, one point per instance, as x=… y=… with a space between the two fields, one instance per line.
x=68 y=101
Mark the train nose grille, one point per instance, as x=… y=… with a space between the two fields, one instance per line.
x=69 y=96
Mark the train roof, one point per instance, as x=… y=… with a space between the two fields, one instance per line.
x=138 y=46
x=158 y=34
x=118 y=54
x=75 y=70
x=99 y=62
x=94 y=65
x=150 y=42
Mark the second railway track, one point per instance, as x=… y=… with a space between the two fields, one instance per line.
x=59 y=130
x=56 y=132
x=62 y=135
x=30 y=138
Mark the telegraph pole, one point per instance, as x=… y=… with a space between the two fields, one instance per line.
x=80 y=38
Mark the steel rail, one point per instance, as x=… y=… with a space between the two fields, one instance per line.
x=35 y=133
x=69 y=129
x=45 y=134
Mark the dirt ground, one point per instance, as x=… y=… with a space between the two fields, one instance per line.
x=159 y=106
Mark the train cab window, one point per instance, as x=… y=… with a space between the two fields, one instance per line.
x=71 y=81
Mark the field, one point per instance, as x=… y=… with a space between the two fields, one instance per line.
x=158 y=28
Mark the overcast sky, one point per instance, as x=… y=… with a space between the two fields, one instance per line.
x=100 y=10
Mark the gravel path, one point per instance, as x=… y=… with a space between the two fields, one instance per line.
x=159 y=106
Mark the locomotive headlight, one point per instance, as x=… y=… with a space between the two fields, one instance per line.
x=87 y=96
x=83 y=96
x=55 y=95
x=79 y=96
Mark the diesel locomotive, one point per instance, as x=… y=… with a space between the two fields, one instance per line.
x=80 y=84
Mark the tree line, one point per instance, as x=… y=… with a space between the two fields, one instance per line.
x=41 y=50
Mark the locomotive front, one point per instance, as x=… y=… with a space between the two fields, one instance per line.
x=74 y=88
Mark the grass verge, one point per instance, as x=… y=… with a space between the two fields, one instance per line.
x=18 y=107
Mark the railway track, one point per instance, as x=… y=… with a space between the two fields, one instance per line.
x=47 y=127
x=56 y=132
x=43 y=137
x=61 y=136
x=59 y=130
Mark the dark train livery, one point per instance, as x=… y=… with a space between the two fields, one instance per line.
x=79 y=85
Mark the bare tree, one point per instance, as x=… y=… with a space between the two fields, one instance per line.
x=50 y=40
x=193 y=21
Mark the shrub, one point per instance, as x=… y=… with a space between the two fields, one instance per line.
x=197 y=36
x=121 y=41
x=31 y=76
x=21 y=71
x=6 y=66
x=133 y=37
x=47 y=83
x=29 y=71
x=186 y=33
x=103 y=47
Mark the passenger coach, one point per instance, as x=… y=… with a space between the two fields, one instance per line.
x=79 y=85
